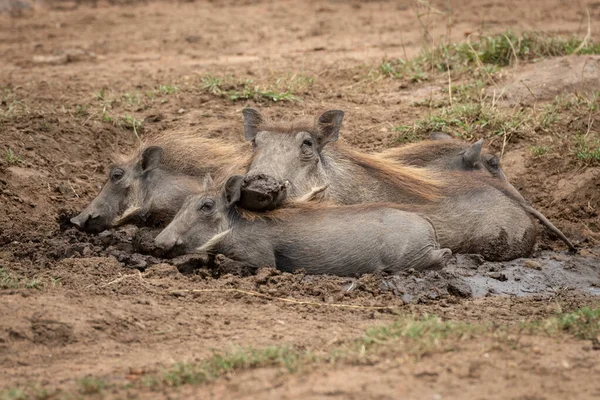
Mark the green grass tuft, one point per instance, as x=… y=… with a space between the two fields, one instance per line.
x=485 y=55
x=583 y=323
x=283 y=89
x=406 y=135
x=471 y=119
x=223 y=363
x=420 y=335
x=168 y=89
x=11 y=157
x=132 y=123
x=91 y=385
x=9 y=281
x=33 y=392
x=13 y=394
x=539 y=151
x=587 y=149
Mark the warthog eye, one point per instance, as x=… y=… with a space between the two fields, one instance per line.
x=307 y=142
x=206 y=206
x=116 y=174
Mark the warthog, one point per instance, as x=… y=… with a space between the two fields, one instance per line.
x=155 y=179
x=446 y=154
x=318 y=238
x=472 y=214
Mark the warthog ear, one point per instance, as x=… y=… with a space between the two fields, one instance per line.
x=494 y=162
x=329 y=124
x=233 y=189
x=207 y=183
x=252 y=120
x=473 y=154
x=439 y=136
x=151 y=158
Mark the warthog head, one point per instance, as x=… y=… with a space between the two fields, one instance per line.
x=467 y=159
x=285 y=159
x=201 y=217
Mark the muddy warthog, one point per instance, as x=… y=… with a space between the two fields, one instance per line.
x=155 y=179
x=318 y=238
x=472 y=214
x=446 y=154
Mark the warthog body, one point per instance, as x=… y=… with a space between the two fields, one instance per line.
x=443 y=153
x=153 y=182
x=472 y=214
x=319 y=239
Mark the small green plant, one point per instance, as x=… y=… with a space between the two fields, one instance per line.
x=33 y=284
x=132 y=98
x=281 y=90
x=13 y=394
x=587 y=149
x=425 y=333
x=55 y=282
x=105 y=116
x=583 y=323
x=471 y=92
x=167 y=89
x=539 y=151
x=406 y=135
x=250 y=92
x=91 y=385
x=9 y=281
x=134 y=124
x=101 y=95
x=11 y=157
x=236 y=359
x=81 y=110
x=212 y=84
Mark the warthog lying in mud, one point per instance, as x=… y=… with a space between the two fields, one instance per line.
x=155 y=179
x=318 y=238
x=447 y=154
x=443 y=153
x=471 y=212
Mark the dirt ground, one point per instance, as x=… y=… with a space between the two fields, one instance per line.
x=79 y=81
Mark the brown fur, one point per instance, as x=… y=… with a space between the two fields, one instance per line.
x=418 y=181
x=191 y=154
x=423 y=152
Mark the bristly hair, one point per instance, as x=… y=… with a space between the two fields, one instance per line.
x=192 y=154
x=425 y=151
x=420 y=182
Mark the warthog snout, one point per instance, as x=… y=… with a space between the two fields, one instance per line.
x=90 y=222
x=167 y=241
x=262 y=192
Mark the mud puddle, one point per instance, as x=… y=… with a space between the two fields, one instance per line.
x=471 y=276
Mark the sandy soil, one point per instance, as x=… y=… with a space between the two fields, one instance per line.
x=73 y=73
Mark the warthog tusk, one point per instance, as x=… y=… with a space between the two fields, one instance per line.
x=310 y=196
x=126 y=214
x=206 y=247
